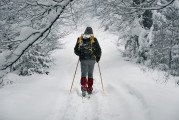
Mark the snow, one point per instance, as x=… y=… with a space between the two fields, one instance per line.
x=176 y=2
x=130 y=93
x=28 y=35
x=136 y=30
x=143 y=38
x=47 y=2
x=25 y=33
x=142 y=33
x=52 y=16
x=4 y=55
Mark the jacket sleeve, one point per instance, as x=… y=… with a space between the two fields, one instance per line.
x=97 y=48
x=76 y=50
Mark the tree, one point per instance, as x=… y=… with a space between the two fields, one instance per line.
x=166 y=42
x=24 y=24
x=133 y=21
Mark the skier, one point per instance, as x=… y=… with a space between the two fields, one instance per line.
x=89 y=51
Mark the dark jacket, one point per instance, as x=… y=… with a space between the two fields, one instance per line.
x=86 y=55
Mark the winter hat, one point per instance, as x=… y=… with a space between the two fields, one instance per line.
x=88 y=30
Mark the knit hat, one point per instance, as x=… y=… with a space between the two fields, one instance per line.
x=88 y=30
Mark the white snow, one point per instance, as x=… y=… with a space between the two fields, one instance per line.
x=25 y=33
x=137 y=28
x=130 y=94
x=29 y=35
x=47 y=2
x=143 y=38
x=4 y=55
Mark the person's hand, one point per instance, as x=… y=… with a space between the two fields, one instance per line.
x=97 y=59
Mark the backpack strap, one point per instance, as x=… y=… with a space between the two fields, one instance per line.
x=91 y=42
x=91 y=39
x=80 y=40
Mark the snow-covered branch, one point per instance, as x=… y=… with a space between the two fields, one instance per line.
x=154 y=7
x=29 y=36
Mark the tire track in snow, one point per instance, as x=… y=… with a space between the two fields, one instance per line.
x=133 y=102
x=116 y=106
x=92 y=109
x=136 y=93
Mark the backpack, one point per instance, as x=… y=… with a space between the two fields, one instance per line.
x=86 y=47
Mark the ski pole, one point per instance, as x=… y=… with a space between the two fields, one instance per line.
x=101 y=77
x=74 y=75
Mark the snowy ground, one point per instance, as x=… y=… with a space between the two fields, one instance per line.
x=130 y=94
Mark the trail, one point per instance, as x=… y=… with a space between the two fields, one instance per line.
x=130 y=94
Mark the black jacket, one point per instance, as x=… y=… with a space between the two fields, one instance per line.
x=96 y=50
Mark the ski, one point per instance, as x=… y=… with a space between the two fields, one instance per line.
x=83 y=99
x=86 y=96
x=89 y=96
x=83 y=96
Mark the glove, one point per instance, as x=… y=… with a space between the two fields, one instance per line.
x=97 y=59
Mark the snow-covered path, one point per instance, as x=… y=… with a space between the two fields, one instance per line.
x=130 y=94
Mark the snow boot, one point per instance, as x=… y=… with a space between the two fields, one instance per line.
x=83 y=86
x=90 y=84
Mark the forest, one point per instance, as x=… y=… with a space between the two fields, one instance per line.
x=30 y=31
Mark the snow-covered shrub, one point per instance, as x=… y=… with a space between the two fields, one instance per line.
x=37 y=58
x=131 y=48
x=33 y=61
x=165 y=49
x=28 y=31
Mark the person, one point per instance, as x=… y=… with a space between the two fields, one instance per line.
x=89 y=51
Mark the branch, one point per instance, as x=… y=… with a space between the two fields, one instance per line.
x=158 y=7
x=32 y=39
x=31 y=3
x=48 y=32
x=57 y=0
x=72 y=15
x=142 y=6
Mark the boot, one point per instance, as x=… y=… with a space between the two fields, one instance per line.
x=83 y=86
x=90 y=84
